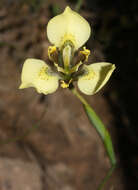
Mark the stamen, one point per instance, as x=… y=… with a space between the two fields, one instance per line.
x=53 y=53
x=64 y=84
x=85 y=52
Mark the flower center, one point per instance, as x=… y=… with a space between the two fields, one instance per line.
x=67 y=38
x=67 y=55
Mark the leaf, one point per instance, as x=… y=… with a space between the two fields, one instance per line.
x=102 y=131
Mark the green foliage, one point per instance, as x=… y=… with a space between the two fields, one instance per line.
x=55 y=10
x=103 y=133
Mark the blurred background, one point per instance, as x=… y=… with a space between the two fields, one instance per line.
x=47 y=142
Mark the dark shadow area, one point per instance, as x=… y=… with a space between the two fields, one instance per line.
x=116 y=29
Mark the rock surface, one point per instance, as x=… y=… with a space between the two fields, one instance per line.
x=47 y=143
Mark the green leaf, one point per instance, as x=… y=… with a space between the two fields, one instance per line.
x=102 y=131
x=99 y=126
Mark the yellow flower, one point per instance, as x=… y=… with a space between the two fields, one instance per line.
x=67 y=32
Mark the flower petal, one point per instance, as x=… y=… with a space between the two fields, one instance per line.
x=95 y=77
x=68 y=26
x=36 y=73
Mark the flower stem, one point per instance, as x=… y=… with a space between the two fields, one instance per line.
x=81 y=98
x=102 y=131
x=78 y=5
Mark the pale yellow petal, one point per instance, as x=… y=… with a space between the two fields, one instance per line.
x=30 y=70
x=68 y=26
x=36 y=73
x=95 y=77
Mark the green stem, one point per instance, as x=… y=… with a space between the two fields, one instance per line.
x=81 y=98
x=102 y=131
x=78 y=5
x=109 y=173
